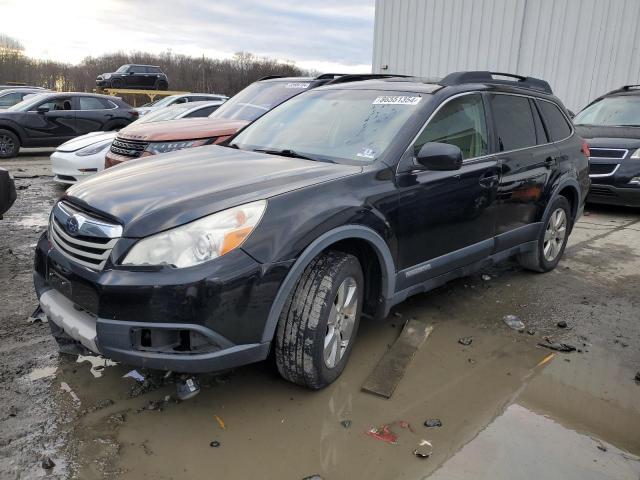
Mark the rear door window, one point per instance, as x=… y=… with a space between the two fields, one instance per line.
x=557 y=124
x=514 y=123
x=91 y=103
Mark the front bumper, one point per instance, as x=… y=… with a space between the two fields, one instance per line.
x=612 y=195
x=66 y=166
x=206 y=319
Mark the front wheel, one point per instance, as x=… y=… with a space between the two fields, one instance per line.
x=319 y=321
x=552 y=240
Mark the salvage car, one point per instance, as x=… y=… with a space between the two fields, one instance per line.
x=178 y=99
x=332 y=207
x=50 y=119
x=611 y=126
x=146 y=77
x=83 y=156
x=242 y=109
x=7 y=192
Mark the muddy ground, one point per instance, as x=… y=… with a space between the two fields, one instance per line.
x=508 y=409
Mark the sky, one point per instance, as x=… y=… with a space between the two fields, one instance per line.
x=325 y=35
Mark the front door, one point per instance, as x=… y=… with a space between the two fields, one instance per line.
x=446 y=218
x=52 y=122
x=527 y=161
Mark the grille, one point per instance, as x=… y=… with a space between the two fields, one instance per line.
x=128 y=148
x=602 y=168
x=91 y=245
x=617 y=153
x=601 y=191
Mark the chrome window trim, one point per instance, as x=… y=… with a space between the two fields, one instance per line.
x=489 y=155
x=600 y=175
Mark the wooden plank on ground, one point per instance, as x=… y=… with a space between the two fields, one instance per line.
x=392 y=366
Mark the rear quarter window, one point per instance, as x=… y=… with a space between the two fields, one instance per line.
x=557 y=124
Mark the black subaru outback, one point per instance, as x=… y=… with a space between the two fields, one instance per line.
x=611 y=126
x=333 y=207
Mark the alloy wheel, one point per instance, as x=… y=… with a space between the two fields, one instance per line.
x=342 y=319
x=554 y=234
x=6 y=144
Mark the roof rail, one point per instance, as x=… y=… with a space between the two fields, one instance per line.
x=629 y=87
x=364 y=76
x=329 y=76
x=480 y=76
x=269 y=77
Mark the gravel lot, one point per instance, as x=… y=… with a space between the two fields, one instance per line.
x=508 y=409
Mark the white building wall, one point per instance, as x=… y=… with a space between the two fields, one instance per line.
x=583 y=48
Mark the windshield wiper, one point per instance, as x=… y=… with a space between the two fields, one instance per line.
x=287 y=152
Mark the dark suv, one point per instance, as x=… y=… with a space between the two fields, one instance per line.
x=611 y=126
x=147 y=77
x=335 y=205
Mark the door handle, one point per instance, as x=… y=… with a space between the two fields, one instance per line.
x=551 y=162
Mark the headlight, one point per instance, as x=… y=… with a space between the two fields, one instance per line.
x=636 y=155
x=93 y=149
x=166 y=147
x=199 y=241
x=106 y=76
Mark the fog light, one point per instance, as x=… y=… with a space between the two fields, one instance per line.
x=635 y=181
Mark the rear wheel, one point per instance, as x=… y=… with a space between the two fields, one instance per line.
x=9 y=144
x=162 y=85
x=319 y=321
x=552 y=239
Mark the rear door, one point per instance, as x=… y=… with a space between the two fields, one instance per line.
x=93 y=113
x=446 y=218
x=527 y=161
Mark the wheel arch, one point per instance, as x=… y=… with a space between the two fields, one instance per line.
x=570 y=189
x=356 y=239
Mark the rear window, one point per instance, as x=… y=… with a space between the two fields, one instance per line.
x=515 y=127
x=557 y=124
x=153 y=70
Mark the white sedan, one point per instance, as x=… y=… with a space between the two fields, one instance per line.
x=83 y=156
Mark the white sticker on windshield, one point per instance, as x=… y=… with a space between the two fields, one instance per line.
x=366 y=153
x=297 y=85
x=396 y=100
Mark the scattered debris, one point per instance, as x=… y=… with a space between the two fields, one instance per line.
x=97 y=362
x=220 y=422
x=117 y=418
x=187 y=387
x=514 y=322
x=391 y=368
x=471 y=360
x=601 y=447
x=486 y=277
x=38 y=316
x=466 y=341
x=397 y=314
x=557 y=346
x=214 y=444
x=346 y=423
x=13 y=411
x=65 y=387
x=546 y=359
x=385 y=433
x=47 y=463
x=637 y=377
x=562 y=324
x=135 y=374
x=531 y=331
x=433 y=422
x=424 y=449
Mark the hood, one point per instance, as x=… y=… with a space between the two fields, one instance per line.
x=86 y=140
x=182 y=129
x=612 y=137
x=156 y=193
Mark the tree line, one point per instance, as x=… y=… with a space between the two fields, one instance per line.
x=186 y=73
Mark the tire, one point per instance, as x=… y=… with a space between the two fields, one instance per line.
x=309 y=317
x=162 y=85
x=550 y=246
x=117 y=83
x=9 y=144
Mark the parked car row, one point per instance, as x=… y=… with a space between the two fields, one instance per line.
x=338 y=198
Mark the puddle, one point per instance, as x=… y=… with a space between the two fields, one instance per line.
x=45 y=372
x=98 y=364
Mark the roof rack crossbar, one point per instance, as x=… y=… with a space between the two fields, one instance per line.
x=480 y=76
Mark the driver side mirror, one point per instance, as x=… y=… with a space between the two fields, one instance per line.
x=439 y=157
x=42 y=110
x=131 y=73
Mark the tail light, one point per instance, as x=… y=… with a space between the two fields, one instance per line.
x=135 y=113
x=585 y=149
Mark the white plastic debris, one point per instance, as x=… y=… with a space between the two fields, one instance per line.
x=514 y=322
x=135 y=374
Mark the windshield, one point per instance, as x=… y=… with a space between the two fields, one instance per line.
x=612 y=111
x=355 y=126
x=122 y=69
x=257 y=99
x=165 y=101
x=28 y=103
x=167 y=113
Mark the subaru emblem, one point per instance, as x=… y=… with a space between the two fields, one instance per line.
x=72 y=225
